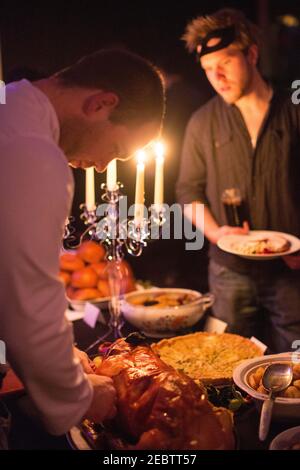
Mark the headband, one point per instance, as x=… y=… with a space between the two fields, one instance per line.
x=226 y=36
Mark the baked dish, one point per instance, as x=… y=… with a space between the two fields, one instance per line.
x=162 y=300
x=262 y=246
x=158 y=407
x=207 y=357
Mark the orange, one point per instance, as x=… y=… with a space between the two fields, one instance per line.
x=85 y=277
x=103 y=287
x=64 y=277
x=86 y=294
x=70 y=262
x=91 y=252
x=100 y=269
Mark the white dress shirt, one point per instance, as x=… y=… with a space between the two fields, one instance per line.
x=36 y=188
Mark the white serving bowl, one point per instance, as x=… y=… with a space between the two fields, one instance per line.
x=286 y=439
x=285 y=409
x=165 y=321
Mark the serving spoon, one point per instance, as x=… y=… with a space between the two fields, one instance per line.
x=276 y=378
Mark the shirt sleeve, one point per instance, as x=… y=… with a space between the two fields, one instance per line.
x=191 y=182
x=36 y=190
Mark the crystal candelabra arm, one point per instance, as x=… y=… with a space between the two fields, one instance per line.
x=88 y=215
x=69 y=237
x=138 y=233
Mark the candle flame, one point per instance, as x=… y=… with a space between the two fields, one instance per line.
x=159 y=149
x=141 y=156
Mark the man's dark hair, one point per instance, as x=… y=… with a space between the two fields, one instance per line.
x=138 y=83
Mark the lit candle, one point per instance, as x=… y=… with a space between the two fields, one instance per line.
x=139 y=187
x=111 y=175
x=90 y=188
x=159 y=174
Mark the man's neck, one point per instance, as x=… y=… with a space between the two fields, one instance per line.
x=257 y=99
x=254 y=106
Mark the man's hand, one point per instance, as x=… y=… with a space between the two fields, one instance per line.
x=103 y=405
x=88 y=366
x=293 y=261
x=215 y=235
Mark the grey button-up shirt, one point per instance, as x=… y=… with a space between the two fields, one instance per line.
x=218 y=154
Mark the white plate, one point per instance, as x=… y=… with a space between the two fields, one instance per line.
x=101 y=302
x=286 y=439
x=225 y=243
x=76 y=440
x=79 y=305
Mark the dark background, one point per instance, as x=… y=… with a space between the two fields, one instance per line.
x=42 y=37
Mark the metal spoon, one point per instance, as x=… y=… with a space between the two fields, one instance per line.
x=276 y=378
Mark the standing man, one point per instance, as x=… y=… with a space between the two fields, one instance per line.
x=246 y=137
x=105 y=106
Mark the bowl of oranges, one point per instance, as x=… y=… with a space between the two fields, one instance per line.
x=85 y=274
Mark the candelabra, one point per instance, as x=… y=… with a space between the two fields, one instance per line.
x=118 y=237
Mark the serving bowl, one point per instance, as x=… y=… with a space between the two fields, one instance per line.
x=285 y=409
x=286 y=439
x=164 y=318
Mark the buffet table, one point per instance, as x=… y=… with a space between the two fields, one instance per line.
x=27 y=434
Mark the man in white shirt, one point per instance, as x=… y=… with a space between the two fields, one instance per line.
x=103 y=107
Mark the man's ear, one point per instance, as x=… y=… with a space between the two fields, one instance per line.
x=252 y=54
x=104 y=101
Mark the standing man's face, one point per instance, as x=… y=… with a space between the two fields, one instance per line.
x=97 y=143
x=229 y=71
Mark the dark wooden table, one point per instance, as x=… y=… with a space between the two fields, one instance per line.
x=28 y=434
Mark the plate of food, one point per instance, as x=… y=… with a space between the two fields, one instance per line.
x=260 y=244
x=85 y=273
x=248 y=377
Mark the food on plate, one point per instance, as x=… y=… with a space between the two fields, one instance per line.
x=85 y=277
x=85 y=294
x=70 y=262
x=101 y=269
x=126 y=285
x=86 y=270
x=91 y=252
x=293 y=391
x=160 y=300
x=103 y=287
x=262 y=246
x=207 y=357
x=158 y=407
x=64 y=277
